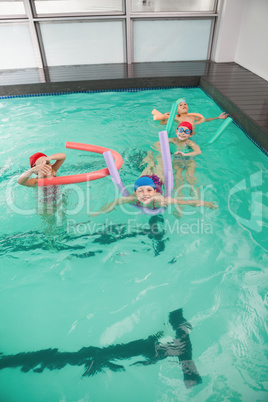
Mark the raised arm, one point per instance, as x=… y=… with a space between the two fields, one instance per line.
x=160 y=116
x=199 y=118
x=25 y=180
x=59 y=158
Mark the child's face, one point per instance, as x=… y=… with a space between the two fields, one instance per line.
x=42 y=160
x=145 y=194
x=183 y=136
x=182 y=108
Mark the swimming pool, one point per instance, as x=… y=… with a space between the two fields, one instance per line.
x=108 y=284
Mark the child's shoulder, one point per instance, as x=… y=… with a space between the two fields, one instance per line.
x=190 y=143
x=173 y=140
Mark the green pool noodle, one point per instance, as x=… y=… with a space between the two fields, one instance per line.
x=220 y=130
x=172 y=117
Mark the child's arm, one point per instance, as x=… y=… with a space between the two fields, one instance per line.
x=221 y=116
x=164 y=201
x=160 y=116
x=193 y=203
x=199 y=118
x=195 y=147
x=59 y=158
x=25 y=180
x=157 y=144
x=109 y=207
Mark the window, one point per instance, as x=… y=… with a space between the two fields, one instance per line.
x=80 y=32
x=171 y=40
x=83 y=42
x=173 y=5
x=12 y=8
x=77 y=6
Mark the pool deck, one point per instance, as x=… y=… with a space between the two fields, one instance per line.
x=238 y=91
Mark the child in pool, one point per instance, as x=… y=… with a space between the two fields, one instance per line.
x=183 y=115
x=49 y=197
x=148 y=193
x=183 y=157
x=41 y=167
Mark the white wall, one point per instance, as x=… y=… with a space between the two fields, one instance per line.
x=252 y=48
x=228 y=30
x=242 y=35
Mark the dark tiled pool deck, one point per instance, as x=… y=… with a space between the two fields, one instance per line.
x=238 y=91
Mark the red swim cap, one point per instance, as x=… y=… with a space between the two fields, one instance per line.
x=186 y=124
x=34 y=158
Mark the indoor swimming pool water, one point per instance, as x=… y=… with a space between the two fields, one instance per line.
x=84 y=299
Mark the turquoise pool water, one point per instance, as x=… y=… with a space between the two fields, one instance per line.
x=70 y=282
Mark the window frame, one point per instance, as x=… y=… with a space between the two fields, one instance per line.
x=34 y=21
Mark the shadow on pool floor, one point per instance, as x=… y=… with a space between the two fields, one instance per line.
x=96 y=360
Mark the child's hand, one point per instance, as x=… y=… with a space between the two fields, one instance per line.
x=223 y=115
x=208 y=204
x=107 y=207
x=211 y=205
x=180 y=153
x=94 y=213
x=43 y=168
x=163 y=202
x=155 y=148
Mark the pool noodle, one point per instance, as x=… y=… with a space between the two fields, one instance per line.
x=83 y=177
x=167 y=164
x=168 y=172
x=220 y=130
x=172 y=116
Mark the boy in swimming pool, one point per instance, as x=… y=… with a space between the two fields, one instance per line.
x=41 y=167
x=184 y=156
x=148 y=193
x=183 y=115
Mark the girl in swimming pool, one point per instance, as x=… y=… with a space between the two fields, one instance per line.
x=148 y=193
x=183 y=115
x=49 y=197
x=41 y=167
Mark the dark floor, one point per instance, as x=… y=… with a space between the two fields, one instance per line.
x=242 y=94
x=238 y=91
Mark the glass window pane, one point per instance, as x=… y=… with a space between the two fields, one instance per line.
x=173 y=40
x=16 y=50
x=83 y=43
x=77 y=6
x=12 y=7
x=172 y=5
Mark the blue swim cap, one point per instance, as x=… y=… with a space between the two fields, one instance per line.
x=144 y=181
x=180 y=100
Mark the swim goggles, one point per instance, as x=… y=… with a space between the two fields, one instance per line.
x=186 y=131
